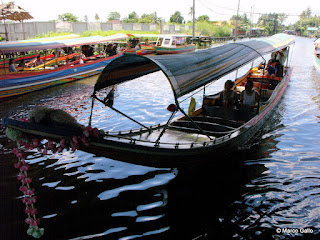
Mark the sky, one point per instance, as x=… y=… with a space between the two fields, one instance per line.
x=44 y=10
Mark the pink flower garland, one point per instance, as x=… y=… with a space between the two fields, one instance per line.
x=29 y=198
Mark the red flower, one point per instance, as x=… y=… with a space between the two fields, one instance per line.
x=28 y=220
x=17 y=165
x=21 y=176
x=27 y=180
x=23 y=188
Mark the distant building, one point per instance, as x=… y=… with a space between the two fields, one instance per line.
x=255 y=31
x=312 y=31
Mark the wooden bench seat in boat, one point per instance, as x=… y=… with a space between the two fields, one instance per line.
x=196 y=130
x=221 y=121
x=212 y=127
x=229 y=114
x=265 y=93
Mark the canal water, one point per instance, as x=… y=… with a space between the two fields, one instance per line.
x=268 y=190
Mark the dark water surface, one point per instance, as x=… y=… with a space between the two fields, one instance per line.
x=268 y=191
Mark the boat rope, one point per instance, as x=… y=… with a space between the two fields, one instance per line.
x=165 y=127
x=123 y=114
x=90 y=118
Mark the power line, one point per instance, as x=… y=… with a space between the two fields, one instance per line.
x=247 y=12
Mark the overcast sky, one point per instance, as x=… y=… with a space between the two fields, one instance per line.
x=44 y=10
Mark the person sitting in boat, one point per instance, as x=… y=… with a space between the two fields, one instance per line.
x=249 y=98
x=22 y=64
x=147 y=42
x=272 y=69
x=38 y=62
x=317 y=49
x=281 y=57
x=82 y=58
x=12 y=67
x=228 y=96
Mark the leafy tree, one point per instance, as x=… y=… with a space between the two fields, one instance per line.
x=96 y=17
x=133 y=15
x=203 y=18
x=306 y=20
x=132 y=18
x=272 y=22
x=146 y=18
x=306 y=13
x=191 y=13
x=149 y=18
x=176 y=17
x=114 y=16
x=68 y=17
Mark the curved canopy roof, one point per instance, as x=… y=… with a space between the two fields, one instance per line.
x=187 y=72
x=58 y=43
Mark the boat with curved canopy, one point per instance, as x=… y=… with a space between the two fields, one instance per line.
x=210 y=129
x=59 y=70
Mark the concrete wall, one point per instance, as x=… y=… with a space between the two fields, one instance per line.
x=31 y=29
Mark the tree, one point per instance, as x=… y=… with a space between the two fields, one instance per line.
x=96 y=17
x=149 y=18
x=68 y=17
x=306 y=13
x=132 y=18
x=133 y=15
x=191 y=13
x=272 y=22
x=114 y=16
x=306 y=20
x=203 y=18
x=176 y=17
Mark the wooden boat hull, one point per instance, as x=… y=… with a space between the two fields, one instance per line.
x=21 y=83
x=145 y=50
x=316 y=61
x=123 y=147
x=176 y=50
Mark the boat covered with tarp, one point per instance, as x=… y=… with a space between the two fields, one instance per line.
x=64 y=68
x=211 y=129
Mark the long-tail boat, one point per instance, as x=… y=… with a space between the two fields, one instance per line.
x=316 y=54
x=27 y=57
x=35 y=78
x=208 y=131
x=173 y=44
x=136 y=47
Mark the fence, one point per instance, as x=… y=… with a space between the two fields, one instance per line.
x=17 y=31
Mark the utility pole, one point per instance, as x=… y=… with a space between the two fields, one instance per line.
x=193 y=19
x=235 y=33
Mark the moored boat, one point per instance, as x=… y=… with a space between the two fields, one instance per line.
x=27 y=57
x=135 y=46
x=316 y=54
x=211 y=129
x=174 y=44
x=64 y=70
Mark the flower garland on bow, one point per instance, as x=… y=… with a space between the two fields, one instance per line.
x=43 y=146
